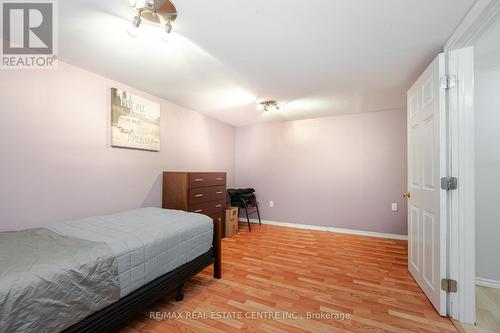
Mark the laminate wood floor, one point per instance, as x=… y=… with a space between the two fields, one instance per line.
x=488 y=309
x=487 y=312
x=278 y=279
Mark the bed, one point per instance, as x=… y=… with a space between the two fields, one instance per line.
x=89 y=275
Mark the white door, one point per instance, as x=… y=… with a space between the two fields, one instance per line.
x=426 y=165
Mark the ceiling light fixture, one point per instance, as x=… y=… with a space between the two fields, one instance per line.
x=161 y=12
x=270 y=105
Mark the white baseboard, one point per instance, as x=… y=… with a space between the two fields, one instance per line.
x=330 y=229
x=488 y=283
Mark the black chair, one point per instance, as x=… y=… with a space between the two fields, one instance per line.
x=244 y=199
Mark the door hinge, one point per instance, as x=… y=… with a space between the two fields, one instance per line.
x=449 y=285
x=449 y=183
x=448 y=81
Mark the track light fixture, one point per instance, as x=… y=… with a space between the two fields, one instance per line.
x=270 y=105
x=161 y=12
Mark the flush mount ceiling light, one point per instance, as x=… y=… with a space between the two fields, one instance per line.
x=161 y=12
x=270 y=105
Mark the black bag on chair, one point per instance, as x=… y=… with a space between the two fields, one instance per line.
x=244 y=198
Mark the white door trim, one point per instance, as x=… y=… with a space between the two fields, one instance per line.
x=462 y=203
x=479 y=18
x=461 y=111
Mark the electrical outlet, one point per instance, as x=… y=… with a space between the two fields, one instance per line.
x=271 y=204
x=394 y=207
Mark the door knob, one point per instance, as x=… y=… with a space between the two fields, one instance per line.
x=406 y=195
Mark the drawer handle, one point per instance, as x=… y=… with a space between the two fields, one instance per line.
x=218 y=206
x=198 y=195
x=198 y=180
x=218 y=178
x=219 y=192
x=198 y=211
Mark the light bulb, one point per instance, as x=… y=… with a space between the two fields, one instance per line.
x=136 y=22
x=133 y=29
x=168 y=27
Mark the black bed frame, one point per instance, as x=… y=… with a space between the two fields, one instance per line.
x=120 y=311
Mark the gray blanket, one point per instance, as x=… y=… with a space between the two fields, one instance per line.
x=49 y=282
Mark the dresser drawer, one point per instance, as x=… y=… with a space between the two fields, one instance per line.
x=208 y=208
x=204 y=194
x=201 y=179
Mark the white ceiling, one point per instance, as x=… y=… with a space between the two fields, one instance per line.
x=317 y=57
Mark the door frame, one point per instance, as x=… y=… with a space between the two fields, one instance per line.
x=461 y=225
x=461 y=231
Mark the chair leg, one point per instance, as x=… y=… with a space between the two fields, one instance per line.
x=248 y=220
x=258 y=213
x=179 y=296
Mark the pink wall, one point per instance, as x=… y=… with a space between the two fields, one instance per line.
x=56 y=162
x=55 y=159
x=342 y=171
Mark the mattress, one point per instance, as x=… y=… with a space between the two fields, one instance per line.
x=147 y=242
x=49 y=282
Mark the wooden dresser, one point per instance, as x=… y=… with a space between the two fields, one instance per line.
x=198 y=192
